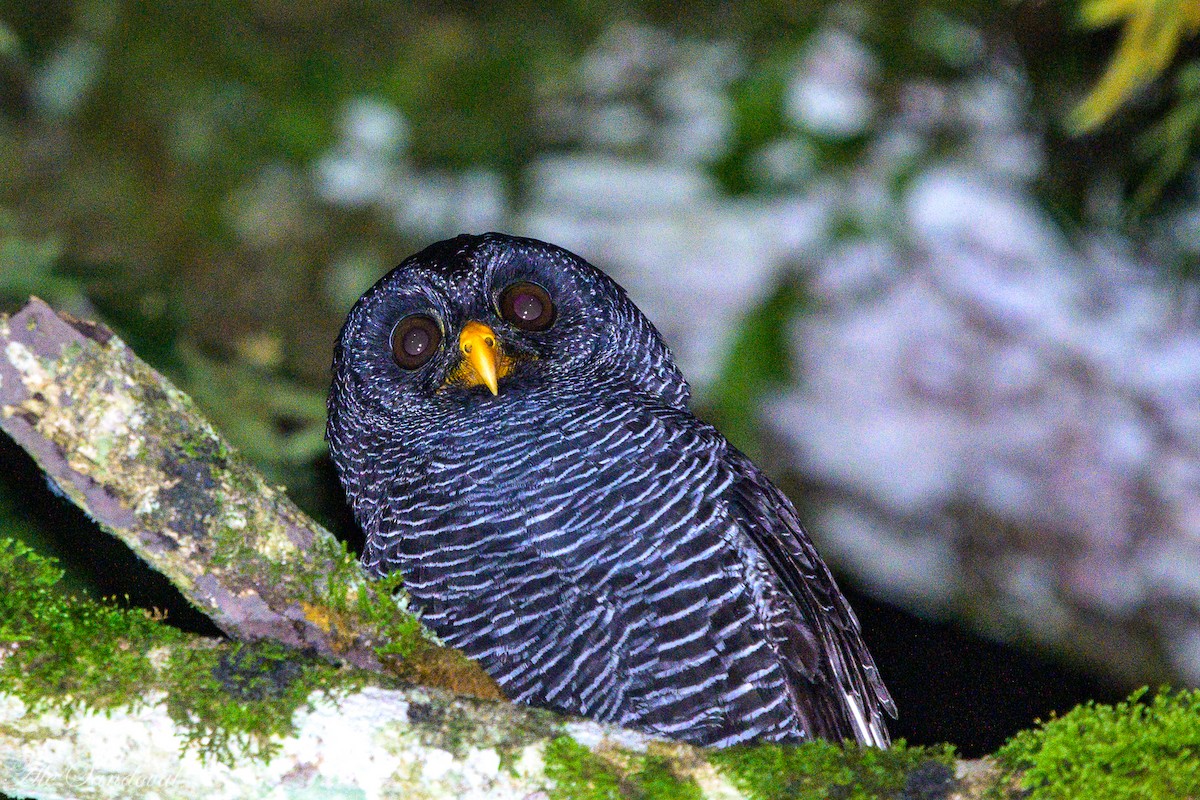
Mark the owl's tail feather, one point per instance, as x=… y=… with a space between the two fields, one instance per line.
x=869 y=732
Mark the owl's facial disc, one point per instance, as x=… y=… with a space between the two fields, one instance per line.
x=484 y=361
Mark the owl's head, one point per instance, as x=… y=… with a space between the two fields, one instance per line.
x=475 y=324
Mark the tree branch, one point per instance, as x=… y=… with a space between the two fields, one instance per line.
x=133 y=451
x=420 y=743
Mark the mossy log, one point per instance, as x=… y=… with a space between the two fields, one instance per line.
x=418 y=744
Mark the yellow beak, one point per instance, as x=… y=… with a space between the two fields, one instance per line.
x=482 y=356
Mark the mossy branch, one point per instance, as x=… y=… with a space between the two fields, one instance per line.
x=414 y=743
x=133 y=451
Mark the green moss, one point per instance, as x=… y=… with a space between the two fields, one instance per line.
x=655 y=779
x=405 y=634
x=342 y=592
x=818 y=770
x=1136 y=749
x=69 y=654
x=580 y=774
x=237 y=697
x=341 y=599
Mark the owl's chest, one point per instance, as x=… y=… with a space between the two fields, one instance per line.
x=596 y=500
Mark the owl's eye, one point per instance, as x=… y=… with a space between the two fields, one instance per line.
x=528 y=306
x=415 y=339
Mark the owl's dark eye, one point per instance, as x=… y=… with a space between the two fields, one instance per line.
x=415 y=339
x=528 y=306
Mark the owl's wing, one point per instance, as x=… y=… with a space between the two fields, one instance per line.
x=842 y=681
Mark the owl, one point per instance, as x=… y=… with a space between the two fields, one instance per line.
x=516 y=439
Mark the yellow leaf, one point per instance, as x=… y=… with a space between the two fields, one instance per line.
x=1150 y=38
x=1102 y=13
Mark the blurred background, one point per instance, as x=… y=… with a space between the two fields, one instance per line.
x=933 y=264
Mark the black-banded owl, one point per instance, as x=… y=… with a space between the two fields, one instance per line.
x=515 y=438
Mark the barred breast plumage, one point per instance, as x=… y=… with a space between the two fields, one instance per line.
x=559 y=514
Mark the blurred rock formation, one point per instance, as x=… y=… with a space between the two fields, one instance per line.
x=1001 y=424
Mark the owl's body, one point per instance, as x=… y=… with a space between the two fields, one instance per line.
x=593 y=545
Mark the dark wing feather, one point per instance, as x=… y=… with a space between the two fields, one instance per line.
x=839 y=692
